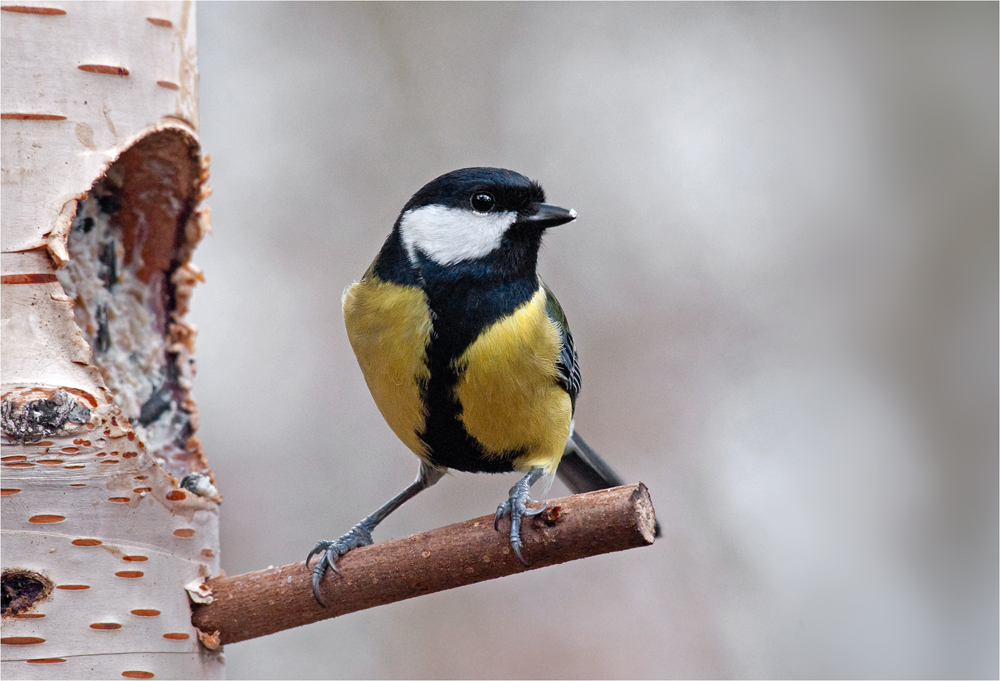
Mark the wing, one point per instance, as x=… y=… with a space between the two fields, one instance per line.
x=567 y=366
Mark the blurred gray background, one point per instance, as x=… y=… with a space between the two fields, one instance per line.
x=782 y=285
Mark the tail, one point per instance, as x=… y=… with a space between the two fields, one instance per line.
x=583 y=469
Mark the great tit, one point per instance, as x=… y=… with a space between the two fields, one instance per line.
x=465 y=350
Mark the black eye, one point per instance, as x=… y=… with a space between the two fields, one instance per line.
x=482 y=202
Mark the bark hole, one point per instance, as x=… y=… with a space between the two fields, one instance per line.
x=129 y=274
x=21 y=590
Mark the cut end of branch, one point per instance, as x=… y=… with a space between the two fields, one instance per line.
x=645 y=516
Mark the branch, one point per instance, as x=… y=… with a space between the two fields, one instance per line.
x=264 y=602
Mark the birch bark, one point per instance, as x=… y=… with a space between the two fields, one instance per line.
x=101 y=180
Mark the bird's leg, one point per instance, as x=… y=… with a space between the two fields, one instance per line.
x=361 y=534
x=516 y=507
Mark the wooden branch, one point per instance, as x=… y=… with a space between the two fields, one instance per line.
x=263 y=602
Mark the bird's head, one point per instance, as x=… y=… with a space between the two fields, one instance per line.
x=471 y=213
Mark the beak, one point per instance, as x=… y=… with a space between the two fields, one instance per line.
x=548 y=216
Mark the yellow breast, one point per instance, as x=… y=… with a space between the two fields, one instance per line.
x=508 y=390
x=389 y=327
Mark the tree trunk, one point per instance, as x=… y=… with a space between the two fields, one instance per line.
x=102 y=175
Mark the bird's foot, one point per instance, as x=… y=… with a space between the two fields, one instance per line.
x=331 y=551
x=517 y=508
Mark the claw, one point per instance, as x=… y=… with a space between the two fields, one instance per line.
x=517 y=508
x=536 y=511
x=517 y=552
x=501 y=512
x=317 y=576
x=330 y=551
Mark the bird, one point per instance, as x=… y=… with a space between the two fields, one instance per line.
x=466 y=351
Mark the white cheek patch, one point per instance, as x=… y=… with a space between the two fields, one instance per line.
x=450 y=235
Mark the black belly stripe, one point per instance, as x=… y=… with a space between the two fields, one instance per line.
x=464 y=299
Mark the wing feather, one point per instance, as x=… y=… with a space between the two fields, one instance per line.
x=567 y=366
